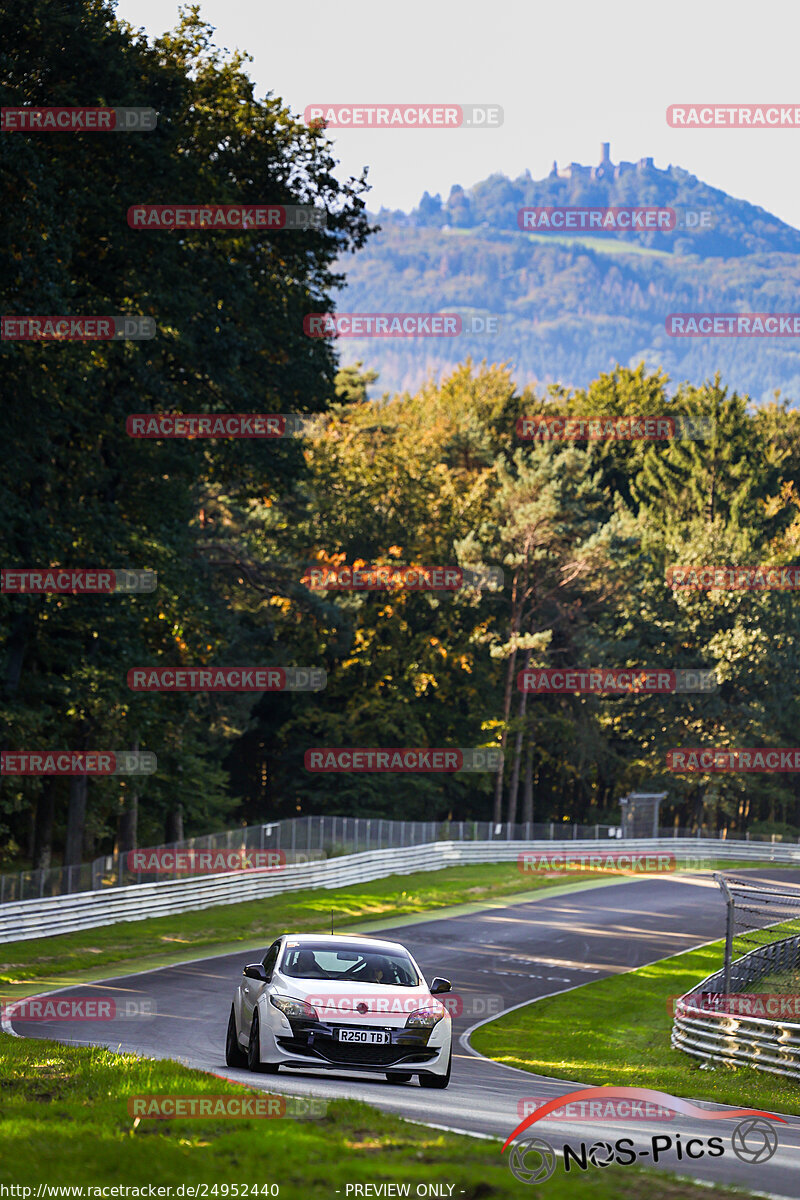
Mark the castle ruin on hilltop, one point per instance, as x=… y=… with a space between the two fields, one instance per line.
x=604 y=170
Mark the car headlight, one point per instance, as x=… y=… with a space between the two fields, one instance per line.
x=425 y=1018
x=294 y=1008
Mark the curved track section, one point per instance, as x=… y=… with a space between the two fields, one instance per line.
x=517 y=954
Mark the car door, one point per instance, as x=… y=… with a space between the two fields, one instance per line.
x=252 y=988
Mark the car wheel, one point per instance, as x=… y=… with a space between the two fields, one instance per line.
x=398 y=1076
x=437 y=1081
x=234 y=1054
x=254 y=1051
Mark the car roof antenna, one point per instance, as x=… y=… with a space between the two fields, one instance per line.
x=331 y=922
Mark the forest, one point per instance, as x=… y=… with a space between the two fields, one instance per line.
x=583 y=534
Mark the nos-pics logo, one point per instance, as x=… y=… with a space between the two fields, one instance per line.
x=534 y=1160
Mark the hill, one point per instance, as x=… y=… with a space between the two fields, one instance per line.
x=572 y=305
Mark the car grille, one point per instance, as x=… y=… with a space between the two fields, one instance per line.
x=355 y=1053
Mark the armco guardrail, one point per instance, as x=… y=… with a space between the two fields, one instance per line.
x=301 y=837
x=743 y=1040
x=27 y=919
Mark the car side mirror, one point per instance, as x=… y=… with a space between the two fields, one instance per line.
x=440 y=985
x=255 y=971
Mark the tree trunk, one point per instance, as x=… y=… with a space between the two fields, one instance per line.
x=498 y=782
x=512 y=661
x=128 y=824
x=15 y=653
x=76 y=820
x=527 y=793
x=513 y=790
x=128 y=821
x=43 y=827
x=173 y=825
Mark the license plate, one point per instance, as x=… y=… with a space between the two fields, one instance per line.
x=370 y=1036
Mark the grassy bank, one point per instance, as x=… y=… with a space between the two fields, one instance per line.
x=160 y=941
x=617 y=1031
x=65 y=1121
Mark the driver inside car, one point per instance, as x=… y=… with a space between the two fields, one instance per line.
x=307 y=967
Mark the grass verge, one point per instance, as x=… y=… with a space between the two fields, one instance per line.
x=65 y=1121
x=617 y=1031
x=162 y=941
x=256 y=922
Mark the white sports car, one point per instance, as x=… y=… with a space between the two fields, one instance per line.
x=340 y=1002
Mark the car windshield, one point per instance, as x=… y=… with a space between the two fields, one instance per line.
x=359 y=964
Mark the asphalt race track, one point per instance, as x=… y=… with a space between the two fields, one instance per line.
x=517 y=953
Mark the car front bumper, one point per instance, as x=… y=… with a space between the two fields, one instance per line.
x=314 y=1044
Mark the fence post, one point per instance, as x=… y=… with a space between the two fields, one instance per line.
x=723 y=885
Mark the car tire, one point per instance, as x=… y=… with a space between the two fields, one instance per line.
x=398 y=1076
x=437 y=1081
x=254 y=1051
x=234 y=1054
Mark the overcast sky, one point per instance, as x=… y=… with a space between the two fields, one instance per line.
x=568 y=76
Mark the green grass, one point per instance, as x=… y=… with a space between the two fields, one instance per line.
x=160 y=941
x=65 y=1120
x=617 y=1031
x=601 y=245
x=785 y=983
